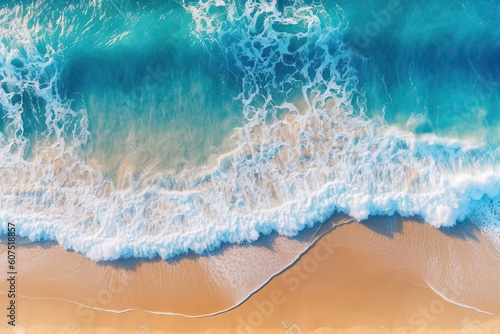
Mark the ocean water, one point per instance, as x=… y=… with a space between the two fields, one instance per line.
x=156 y=128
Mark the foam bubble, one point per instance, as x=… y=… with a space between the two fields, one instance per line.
x=305 y=151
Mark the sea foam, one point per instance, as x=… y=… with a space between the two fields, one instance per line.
x=306 y=150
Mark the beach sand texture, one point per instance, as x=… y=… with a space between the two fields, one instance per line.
x=369 y=277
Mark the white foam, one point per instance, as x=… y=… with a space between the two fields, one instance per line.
x=288 y=172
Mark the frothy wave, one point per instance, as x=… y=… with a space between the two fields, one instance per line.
x=306 y=149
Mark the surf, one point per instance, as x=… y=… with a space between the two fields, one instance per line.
x=306 y=149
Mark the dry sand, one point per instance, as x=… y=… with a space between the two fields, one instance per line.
x=370 y=277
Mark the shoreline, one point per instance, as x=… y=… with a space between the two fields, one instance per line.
x=209 y=275
x=345 y=261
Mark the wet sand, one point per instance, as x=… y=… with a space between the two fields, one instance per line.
x=370 y=277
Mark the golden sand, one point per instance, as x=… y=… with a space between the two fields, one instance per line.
x=370 y=277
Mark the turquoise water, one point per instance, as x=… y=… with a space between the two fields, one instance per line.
x=432 y=68
x=144 y=128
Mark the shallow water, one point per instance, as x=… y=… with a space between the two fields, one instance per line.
x=153 y=128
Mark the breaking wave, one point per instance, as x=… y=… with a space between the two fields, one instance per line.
x=305 y=151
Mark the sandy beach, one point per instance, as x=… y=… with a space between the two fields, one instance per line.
x=247 y=167
x=370 y=277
